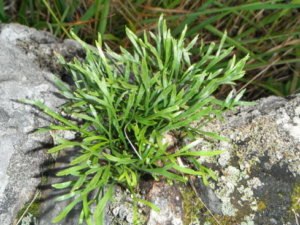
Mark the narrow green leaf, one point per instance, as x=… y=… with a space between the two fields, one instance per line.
x=150 y=204
x=199 y=153
x=66 y=210
x=66 y=196
x=62 y=185
x=71 y=170
x=98 y=215
x=187 y=170
x=103 y=18
x=119 y=160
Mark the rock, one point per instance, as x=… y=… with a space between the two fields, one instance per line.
x=259 y=175
x=41 y=47
x=22 y=77
x=49 y=207
x=27 y=62
x=169 y=200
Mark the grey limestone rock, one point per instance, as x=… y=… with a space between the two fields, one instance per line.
x=22 y=77
x=168 y=199
x=259 y=174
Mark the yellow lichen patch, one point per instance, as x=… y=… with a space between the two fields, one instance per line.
x=261 y=205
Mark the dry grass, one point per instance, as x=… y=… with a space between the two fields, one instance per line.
x=268 y=31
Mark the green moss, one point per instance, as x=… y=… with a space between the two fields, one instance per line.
x=195 y=212
x=44 y=180
x=34 y=208
x=295 y=197
x=191 y=205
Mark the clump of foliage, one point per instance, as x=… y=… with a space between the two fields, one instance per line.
x=122 y=105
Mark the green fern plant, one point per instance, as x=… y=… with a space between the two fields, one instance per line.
x=126 y=103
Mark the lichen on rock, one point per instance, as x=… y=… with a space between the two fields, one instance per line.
x=262 y=161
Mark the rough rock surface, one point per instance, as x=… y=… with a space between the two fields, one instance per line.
x=168 y=199
x=259 y=174
x=22 y=76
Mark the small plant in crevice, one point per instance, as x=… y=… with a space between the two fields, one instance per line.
x=123 y=105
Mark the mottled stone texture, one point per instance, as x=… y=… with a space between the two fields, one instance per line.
x=258 y=175
x=260 y=172
x=23 y=75
x=168 y=199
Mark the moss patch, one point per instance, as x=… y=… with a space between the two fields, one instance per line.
x=192 y=206
x=196 y=213
x=34 y=208
x=295 y=197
